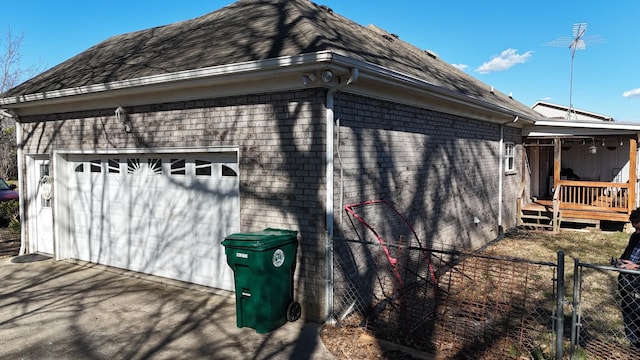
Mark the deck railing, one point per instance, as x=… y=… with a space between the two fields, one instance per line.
x=593 y=195
x=582 y=202
x=590 y=200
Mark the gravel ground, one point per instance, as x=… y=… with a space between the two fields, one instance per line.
x=349 y=342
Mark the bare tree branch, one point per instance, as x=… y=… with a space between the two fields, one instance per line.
x=10 y=71
x=10 y=74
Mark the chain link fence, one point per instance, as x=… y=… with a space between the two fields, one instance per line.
x=603 y=296
x=472 y=307
x=467 y=305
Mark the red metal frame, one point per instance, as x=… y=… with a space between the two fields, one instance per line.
x=350 y=209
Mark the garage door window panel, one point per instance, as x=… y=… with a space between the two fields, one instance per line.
x=227 y=171
x=113 y=166
x=95 y=166
x=133 y=166
x=178 y=167
x=203 y=167
x=155 y=166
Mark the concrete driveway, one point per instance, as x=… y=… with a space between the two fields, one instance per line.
x=65 y=310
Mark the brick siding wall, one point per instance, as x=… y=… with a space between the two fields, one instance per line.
x=440 y=171
x=282 y=154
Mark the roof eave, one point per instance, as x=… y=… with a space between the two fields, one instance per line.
x=261 y=69
x=412 y=83
x=182 y=79
x=577 y=111
x=550 y=128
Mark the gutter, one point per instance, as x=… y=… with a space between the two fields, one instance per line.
x=330 y=121
x=177 y=80
x=411 y=83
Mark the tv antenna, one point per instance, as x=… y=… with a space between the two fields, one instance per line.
x=577 y=42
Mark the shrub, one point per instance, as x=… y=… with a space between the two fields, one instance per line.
x=10 y=210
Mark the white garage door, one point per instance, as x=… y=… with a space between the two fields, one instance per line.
x=155 y=213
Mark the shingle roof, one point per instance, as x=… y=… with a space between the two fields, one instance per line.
x=249 y=30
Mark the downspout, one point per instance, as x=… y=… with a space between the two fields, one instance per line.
x=501 y=175
x=330 y=120
x=500 y=180
x=19 y=153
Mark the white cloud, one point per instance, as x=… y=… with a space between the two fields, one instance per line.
x=462 y=67
x=632 y=93
x=506 y=60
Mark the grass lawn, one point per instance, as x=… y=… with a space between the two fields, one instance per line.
x=594 y=247
x=601 y=322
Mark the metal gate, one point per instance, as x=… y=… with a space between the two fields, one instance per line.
x=597 y=325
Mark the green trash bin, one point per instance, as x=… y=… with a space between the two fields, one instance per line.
x=263 y=263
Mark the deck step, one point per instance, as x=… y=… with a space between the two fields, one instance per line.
x=537 y=225
x=525 y=223
x=540 y=215
x=540 y=219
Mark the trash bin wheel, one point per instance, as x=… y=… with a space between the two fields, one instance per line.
x=294 y=311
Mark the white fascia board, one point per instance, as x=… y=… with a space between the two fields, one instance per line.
x=567 y=131
x=179 y=79
x=574 y=133
x=597 y=125
x=591 y=125
x=377 y=72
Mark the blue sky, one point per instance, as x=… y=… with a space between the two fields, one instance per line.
x=502 y=43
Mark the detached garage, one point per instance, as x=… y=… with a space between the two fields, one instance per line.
x=145 y=151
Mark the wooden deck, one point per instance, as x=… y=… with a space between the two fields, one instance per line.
x=539 y=213
x=579 y=200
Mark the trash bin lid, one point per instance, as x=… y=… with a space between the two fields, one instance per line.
x=261 y=240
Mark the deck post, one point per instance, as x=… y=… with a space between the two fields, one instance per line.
x=557 y=164
x=557 y=161
x=633 y=151
x=519 y=221
x=555 y=217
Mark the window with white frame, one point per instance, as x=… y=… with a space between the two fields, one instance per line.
x=509 y=157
